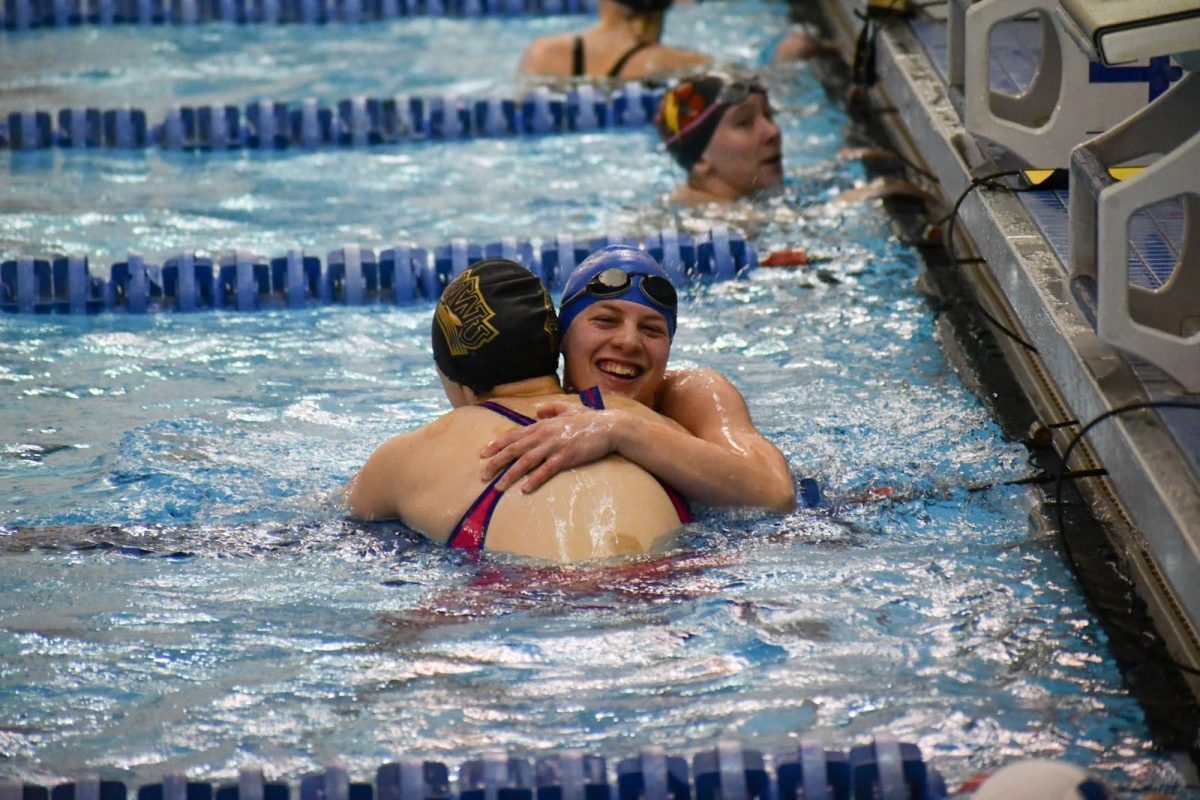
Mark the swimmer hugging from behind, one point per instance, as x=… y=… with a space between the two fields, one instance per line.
x=496 y=346
x=619 y=315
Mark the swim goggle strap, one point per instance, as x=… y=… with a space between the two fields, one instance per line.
x=686 y=110
x=614 y=282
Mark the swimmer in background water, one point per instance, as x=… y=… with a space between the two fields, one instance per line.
x=496 y=347
x=723 y=133
x=624 y=43
x=618 y=320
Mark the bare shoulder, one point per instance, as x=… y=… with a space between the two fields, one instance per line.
x=402 y=461
x=694 y=383
x=702 y=398
x=662 y=59
x=548 y=55
x=394 y=451
x=415 y=445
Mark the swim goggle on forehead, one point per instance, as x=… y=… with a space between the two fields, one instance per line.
x=732 y=93
x=614 y=281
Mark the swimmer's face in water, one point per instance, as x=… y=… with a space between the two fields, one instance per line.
x=620 y=346
x=744 y=155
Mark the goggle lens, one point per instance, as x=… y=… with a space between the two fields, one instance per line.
x=692 y=114
x=735 y=93
x=614 y=281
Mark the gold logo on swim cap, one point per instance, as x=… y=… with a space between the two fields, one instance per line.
x=464 y=317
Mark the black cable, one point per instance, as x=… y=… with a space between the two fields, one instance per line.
x=976 y=182
x=1042 y=477
x=1009 y=332
x=1063 y=475
x=1113 y=412
x=917 y=168
x=1036 y=479
x=948 y=219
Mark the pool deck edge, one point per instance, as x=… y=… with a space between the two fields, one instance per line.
x=1150 y=483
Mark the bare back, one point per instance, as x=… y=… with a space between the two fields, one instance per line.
x=554 y=56
x=431 y=476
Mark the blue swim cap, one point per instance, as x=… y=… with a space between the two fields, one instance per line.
x=577 y=295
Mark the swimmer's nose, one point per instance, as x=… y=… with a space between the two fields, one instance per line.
x=626 y=336
x=773 y=133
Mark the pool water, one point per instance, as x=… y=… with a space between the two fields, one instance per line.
x=181 y=593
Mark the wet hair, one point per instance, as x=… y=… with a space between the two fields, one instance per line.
x=495 y=324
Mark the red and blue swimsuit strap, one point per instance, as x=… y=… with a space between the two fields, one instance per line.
x=472 y=528
x=593 y=399
x=505 y=411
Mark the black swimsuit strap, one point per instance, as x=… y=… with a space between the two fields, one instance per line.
x=623 y=60
x=577 y=57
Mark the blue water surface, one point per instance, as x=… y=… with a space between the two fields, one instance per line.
x=181 y=593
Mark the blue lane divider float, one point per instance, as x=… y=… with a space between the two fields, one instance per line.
x=352 y=122
x=351 y=275
x=26 y=14
x=882 y=770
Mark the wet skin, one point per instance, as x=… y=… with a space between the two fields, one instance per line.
x=744 y=155
x=702 y=442
x=621 y=347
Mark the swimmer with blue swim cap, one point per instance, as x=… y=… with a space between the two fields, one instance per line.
x=619 y=272
x=495 y=343
x=618 y=318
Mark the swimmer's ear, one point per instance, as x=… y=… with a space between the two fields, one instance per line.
x=702 y=169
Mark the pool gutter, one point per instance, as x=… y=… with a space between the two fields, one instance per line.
x=1150 y=500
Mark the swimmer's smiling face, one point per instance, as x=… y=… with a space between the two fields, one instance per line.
x=620 y=346
x=744 y=155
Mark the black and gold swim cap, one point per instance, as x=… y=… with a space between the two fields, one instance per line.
x=495 y=324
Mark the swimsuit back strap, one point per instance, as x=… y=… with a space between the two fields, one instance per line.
x=508 y=413
x=623 y=60
x=472 y=529
x=678 y=500
x=577 y=57
x=593 y=399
